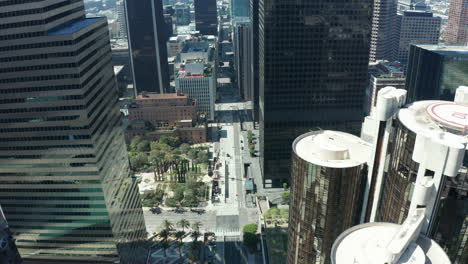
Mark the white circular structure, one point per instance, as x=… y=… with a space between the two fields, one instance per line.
x=366 y=244
x=332 y=149
x=450 y=114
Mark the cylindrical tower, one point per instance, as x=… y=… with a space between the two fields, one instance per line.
x=328 y=183
x=447 y=224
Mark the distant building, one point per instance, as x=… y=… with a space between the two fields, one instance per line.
x=240 y=8
x=206 y=17
x=255 y=60
x=174 y=114
x=243 y=57
x=182 y=14
x=382 y=74
x=169 y=27
x=327 y=187
x=457 y=27
x=384 y=29
x=416 y=27
x=147 y=44
x=404 y=5
x=122 y=18
x=435 y=72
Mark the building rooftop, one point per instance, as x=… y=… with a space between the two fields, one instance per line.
x=73 y=26
x=158 y=96
x=435 y=117
x=195 y=46
x=332 y=149
x=366 y=244
x=447 y=50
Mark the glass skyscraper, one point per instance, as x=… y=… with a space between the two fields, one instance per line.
x=206 y=17
x=65 y=184
x=313 y=59
x=435 y=72
x=147 y=36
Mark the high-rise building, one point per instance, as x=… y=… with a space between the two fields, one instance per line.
x=8 y=252
x=206 y=17
x=415 y=27
x=147 y=33
x=421 y=143
x=313 y=60
x=122 y=18
x=254 y=47
x=240 y=8
x=404 y=5
x=182 y=14
x=382 y=74
x=457 y=27
x=328 y=181
x=65 y=184
x=435 y=72
x=383 y=37
x=243 y=56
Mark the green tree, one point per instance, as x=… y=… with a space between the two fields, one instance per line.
x=184 y=148
x=285 y=186
x=285 y=197
x=163 y=234
x=167 y=225
x=192 y=154
x=183 y=223
x=179 y=235
x=196 y=226
x=135 y=141
x=195 y=235
x=250 y=236
x=138 y=161
x=202 y=157
x=143 y=146
x=171 y=141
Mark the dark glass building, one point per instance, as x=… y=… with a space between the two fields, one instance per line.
x=328 y=178
x=8 y=252
x=254 y=61
x=313 y=59
x=206 y=17
x=435 y=72
x=147 y=36
x=65 y=183
x=240 y=8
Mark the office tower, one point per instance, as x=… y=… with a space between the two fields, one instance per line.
x=457 y=27
x=206 y=17
x=8 y=251
x=182 y=14
x=147 y=45
x=240 y=8
x=312 y=74
x=255 y=60
x=416 y=27
x=122 y=18
x=414 y=144
x=168 y=27
x=243 y=56
x=382 y=74
x=435 y=72
x=404 y=5
x=65 y=184
x=383 y=37
x=328 y=180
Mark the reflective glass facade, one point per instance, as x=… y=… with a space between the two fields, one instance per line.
x=206 y=17
x=450 y=227
x=324 y=202
x=148 y=34
x=313 y=60
x=65 y=184
x=435 y=72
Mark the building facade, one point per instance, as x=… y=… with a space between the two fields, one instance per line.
x=122 y=18
x=255 y=59
x=457 y=27
x=243 y=57
x=240 y=8
x=182 y=14
x=309 y=78
x=206 y=17
x=65 y=183
x=328 y=180
x=383 y=37
x=147 y=45
x=8 y=252
x=435 y=72
x=416 y=27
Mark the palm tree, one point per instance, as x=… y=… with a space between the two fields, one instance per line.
x=167 y=225
x=164 y=234
x=196 y=226
x=183 y=223
x=179 y=235
x=164 y=245
x=195 y=235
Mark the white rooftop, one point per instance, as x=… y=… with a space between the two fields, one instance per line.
x=332 y=149
x=435 y=116
x=366 y=243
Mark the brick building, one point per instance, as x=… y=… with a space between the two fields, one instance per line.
x=457 y=27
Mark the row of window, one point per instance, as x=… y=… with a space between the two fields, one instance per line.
x=43 y=119
x=42 y=21
x=37 y=10
x=68 y=137
x=37 y=129
x=18 y=2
